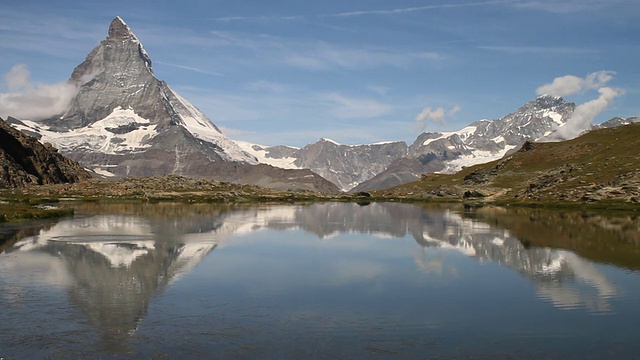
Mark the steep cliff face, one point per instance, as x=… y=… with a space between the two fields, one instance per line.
x=25 y=161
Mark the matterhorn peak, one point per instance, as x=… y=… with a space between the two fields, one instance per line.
x=124 y=121
x=120 y=29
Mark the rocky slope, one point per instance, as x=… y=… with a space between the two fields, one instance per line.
x=25 y=161
x=125 y=122
x=480 y=142
x=599 y=167
x=617 y=121
x=344 y=165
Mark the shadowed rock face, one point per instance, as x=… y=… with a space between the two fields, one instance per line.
x=25 y=161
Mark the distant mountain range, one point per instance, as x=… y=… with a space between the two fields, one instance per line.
x=125 y=122
x=600 y=167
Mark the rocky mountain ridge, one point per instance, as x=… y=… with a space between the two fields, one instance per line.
x=344 y=165
x=479 y=142
x=25 y=161
x=599 y=167
x=358 y=168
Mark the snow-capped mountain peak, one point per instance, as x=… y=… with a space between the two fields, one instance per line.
x=123 y=116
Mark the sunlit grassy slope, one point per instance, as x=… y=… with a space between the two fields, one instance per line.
x=600 y=166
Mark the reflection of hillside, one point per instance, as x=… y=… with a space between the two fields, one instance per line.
x=11 y=233
x=602 y=238
x=561 y=277
x=116 y=263
x=326 y=220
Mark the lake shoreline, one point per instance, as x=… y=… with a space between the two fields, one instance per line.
x=45 y=201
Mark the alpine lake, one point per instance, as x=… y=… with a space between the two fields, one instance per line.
x=320 y=281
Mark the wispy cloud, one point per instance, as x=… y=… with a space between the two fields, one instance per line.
x=567 y=6
x=546 y=50
x=50 y=34
x=345 y=107
x=264 y=19
x=190 y=68
x=404 y=10
x=312 y=54
x=324 y=56
x=366 y=12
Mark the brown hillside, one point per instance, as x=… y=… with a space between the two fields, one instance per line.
x=602 y=165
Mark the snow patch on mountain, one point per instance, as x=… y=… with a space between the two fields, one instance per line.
x=262 y=154
x=475 y=158
x=199 y=125
x=122 y=131
x=120 y=254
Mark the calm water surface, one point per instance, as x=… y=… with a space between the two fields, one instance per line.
x=320 y=281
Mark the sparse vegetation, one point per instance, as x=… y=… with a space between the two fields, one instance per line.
x=600 y=169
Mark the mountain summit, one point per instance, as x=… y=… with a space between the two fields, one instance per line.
x=125 y=122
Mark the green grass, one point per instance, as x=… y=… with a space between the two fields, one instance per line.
x=18 y=211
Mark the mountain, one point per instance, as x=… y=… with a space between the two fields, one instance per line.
x=617 y=121
x=25 y=161
x=480 y=142
x=125 y=122
x=600 y=167
x=344 y=165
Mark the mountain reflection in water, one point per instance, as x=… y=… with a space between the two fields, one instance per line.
x=112 y=259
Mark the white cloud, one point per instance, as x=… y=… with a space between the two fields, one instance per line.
x=18 y=78
x=582 y=117
x=570 y=84
x=584 y=114
x=438 y=115
x=34 y=102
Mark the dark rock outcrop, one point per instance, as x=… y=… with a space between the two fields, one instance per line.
x=25 y=161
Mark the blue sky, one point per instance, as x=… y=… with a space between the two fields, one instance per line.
x=356 y=71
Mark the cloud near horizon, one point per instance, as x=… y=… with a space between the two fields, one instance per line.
x=570 y=84
x=582 y=117
x=27 y=101
x=437 y=115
